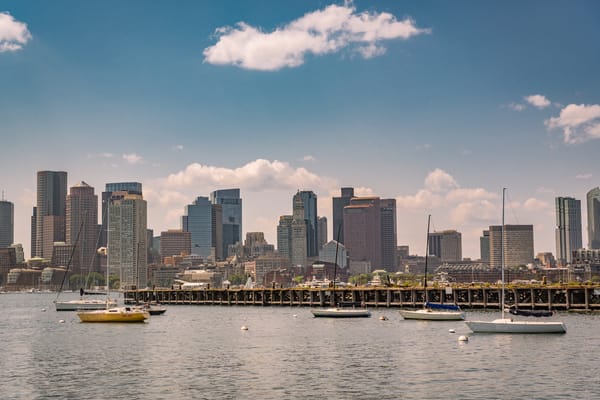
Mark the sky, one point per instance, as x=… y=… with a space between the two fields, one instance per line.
x=436 y=104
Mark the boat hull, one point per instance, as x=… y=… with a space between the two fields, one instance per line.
x=77 y=305
x=116 y=314
x=510 y=326
x=341 y=313
x=430 y=315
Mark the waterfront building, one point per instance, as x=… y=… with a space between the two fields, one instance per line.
x=484 y=247
x=347 y=193
x=82 y=221
x=362 y=231
x=299 y=240
x=518 y=245
x=593 y=215
x=175 y=242
x=7 y=223
x=568 y=228
x=128 y=187
x=321 y=232
x=127 y=226
x=328 y=252
x=284 y=236
x=231 y=204
x=447 y=245
x=61 y=253
x=50 y=211
x=197 y=220
x=389 y=237
x=309 y=202
x=19 y=252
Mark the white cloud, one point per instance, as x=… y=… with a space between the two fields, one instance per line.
x=517 y=106
x=133 y=158
x=580 y=123
x=13 y=34
x=308 y=158
x=101 y=155
x=439 y=180
x=537 y=100
x=533 y=204
x=178 y=147
x=583 y=176
x=319 y=32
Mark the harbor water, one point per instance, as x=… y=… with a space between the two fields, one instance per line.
x=201 y=352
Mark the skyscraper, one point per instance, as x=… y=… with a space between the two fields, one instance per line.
x=338 y=213
x=593 y=215
x=309 y=201
x=447 y=245
x=127 y=235
x=518 y=245
x=484 y=246
x=175 y=242
x=231 y=203
x=321 y=232
x=389 y=237
x=362 y=230
x=568 y=228
x=299 y=228
x=7 y=223
x=82 y=220
x=284 y=236
x=197 y=220
x=51 y=211
x=128 y=187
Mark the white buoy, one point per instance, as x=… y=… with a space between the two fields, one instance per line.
x=61 y=321
x=295 y=316
x=451 y=331
x=43 y=310
x=244 y=328
x=383 y=318
x=463 y=338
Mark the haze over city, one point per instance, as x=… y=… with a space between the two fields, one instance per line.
x=436 y=104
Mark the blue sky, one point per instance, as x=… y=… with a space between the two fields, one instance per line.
x=436 y=104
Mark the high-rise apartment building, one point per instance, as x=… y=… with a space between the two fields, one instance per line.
x=347 y=193
x=127 y=235
x=389 y=237
x=593 y=216
x=82 y=226
x=447 y=245
x=7 y=223
x=197 y=220
x=321 y=232
x=231 y=204
x=362 y=230
x=568 y=228
x=309 y=201
x=128 y=187
x=298 y=229
x=518 y=245
x=284 y=237
x=50 y=211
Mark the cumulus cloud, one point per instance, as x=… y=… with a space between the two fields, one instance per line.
x=580 y=123
x=517 y=106
x=133 y=158
x=320 y=32
x=538 y=101
x=439 y=180
x=533 y=204
x=308 y=158
x=583 y=176
x=13 y=34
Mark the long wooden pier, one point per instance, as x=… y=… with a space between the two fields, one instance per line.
x=573 y=298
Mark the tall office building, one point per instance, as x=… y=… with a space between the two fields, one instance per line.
x=309 y=201
x=518 y=245
x=284 y=236
x=197 y=220
x=447 y=245
x=329 y=251
x=389 y=237
x=338 y=213
x=127 y=235
x=593 y=215
x=362 y=230
x=217 y=231
x=568 y=228
x=128 y=187
x=175 y=242
x=33 y=231
x=484 y=246
x=321 y=232
x=7 y=223
x=82 y=221
x=50 y=211
x=231 y=204
x=299 y=227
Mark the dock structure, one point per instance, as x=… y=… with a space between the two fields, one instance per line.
x=560 y=298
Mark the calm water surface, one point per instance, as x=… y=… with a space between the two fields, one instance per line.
x=200 y=352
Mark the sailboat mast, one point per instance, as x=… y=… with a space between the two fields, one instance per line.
x=502 y=255
x=427 y=256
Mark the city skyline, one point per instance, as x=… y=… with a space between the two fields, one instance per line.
x=437 y=106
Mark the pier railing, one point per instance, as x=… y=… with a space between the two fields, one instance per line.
x=575 y=298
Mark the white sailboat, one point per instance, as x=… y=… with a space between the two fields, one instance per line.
x=339 y=310
x=508 y=325
x=433 y=311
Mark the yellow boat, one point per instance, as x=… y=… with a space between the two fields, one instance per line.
x=114 y=314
